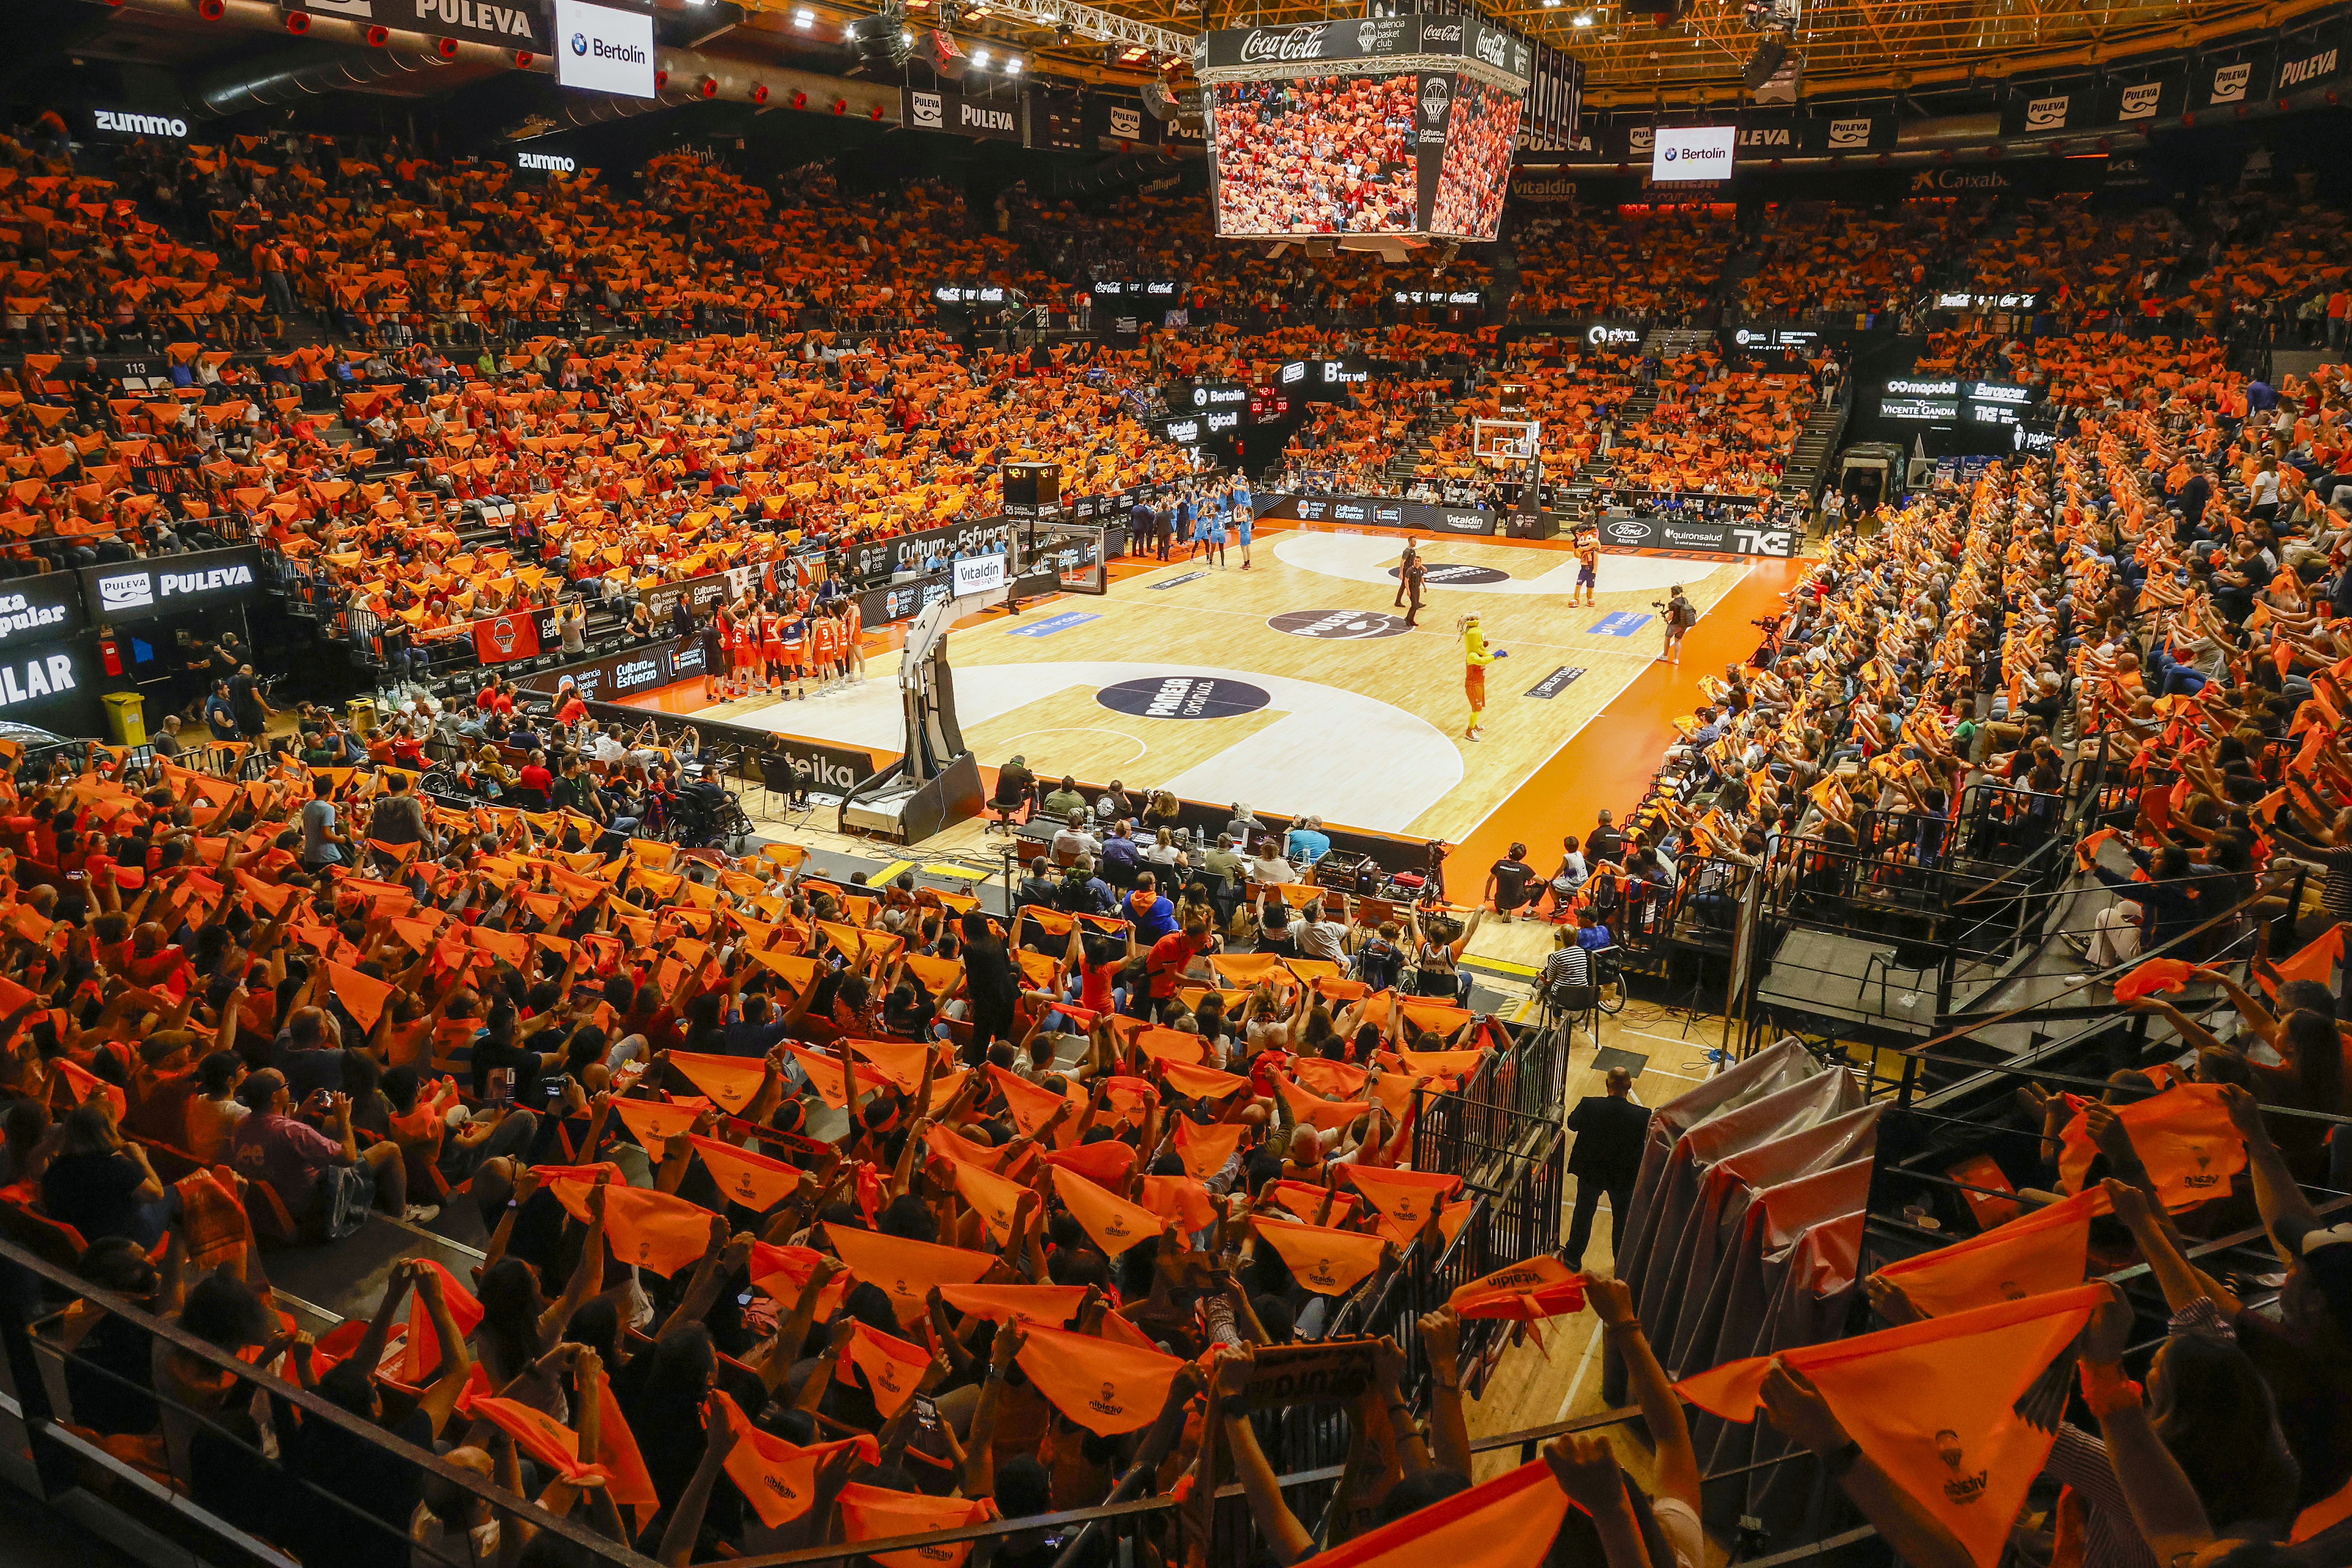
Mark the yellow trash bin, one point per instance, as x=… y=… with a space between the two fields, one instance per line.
x=361 y=710
x=125 y=717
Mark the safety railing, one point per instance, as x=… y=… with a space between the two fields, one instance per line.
x=204 y=1476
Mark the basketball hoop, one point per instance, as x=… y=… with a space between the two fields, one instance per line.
x=1502 y=441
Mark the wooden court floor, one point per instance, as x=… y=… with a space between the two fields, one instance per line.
x=1293 y=685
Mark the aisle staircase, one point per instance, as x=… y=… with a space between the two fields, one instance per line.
x=1672 y=343
x=1816 y=448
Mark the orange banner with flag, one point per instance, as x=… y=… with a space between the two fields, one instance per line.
x=2034 y=1254
x=778 y=1478
x=878 y=1513
x=420 y=1352
x=1405 y=1199
x=893 y=1367
x=655 y=1230
x=905 y=1269
x=2183 y=1136
x=1325 y=1261
x=1205 y=1150
x=1115 y=1224
x=784 y=1272
x=731 y=1082
x=1934 y=1403
x=1106 y=1388
x=1529 y=1292
x=653 y=1123
x=996 y=1199
x=1507 y=1522
x=755 y=1181
x=1052 y=1305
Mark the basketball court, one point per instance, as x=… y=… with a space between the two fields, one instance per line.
x=1296 y=686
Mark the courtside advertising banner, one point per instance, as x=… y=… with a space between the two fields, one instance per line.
x=1685 y=153
x=600 y=49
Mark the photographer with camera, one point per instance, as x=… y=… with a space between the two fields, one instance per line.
x=1680 y=615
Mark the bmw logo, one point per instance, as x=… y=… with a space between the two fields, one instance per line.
x=578 y=43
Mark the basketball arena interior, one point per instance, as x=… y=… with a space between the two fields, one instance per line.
x=1009 y=784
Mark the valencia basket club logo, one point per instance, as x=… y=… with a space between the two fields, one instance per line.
x=1338 y=626
x=1959 y=1486
x=506 y=636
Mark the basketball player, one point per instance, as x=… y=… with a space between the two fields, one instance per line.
x=1244 y=516
x=773 y=649
x=1586 y=540
x=852 y=639
x=1213 y=514
x=1475 y=657
x=825 y=648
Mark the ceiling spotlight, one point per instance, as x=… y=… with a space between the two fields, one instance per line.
x=905 y=37
x=804 y=18
x=1583 y=19
x=979 y=59
x=1013 y=65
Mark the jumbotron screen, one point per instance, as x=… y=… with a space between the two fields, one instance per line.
x=1476 y=172
x=1316 y=155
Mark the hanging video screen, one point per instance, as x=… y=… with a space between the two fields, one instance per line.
x=1316 y=155
x=1476 y=171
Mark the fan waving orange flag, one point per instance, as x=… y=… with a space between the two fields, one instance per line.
x=2184 y=1136
x=996 y=1199
x=731 y=1082
x=778 y=1478
x=1325 y=1261
x=784 y=1272
x=1936 y=1404
x=878 y=1513
x=893 y=1366
x=1051 y=1305
x=1032 y=1105
x=755 y=1181
x=1106 y=1388
x=1539 y=1288
x=1507 y=1522
x=1103 y=1163
x=2035 y=1253
x=905 y=1269
x=653 y=1123
x=1205 y=1150
x=1115 y=1224
x=1405 y=1199
x=654 y=1229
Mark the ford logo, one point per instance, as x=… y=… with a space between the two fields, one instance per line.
x=1628 y=531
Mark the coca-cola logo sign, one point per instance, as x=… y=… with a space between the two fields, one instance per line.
x=1302 y=43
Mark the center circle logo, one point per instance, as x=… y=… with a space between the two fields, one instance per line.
x=1670 y=154
x=1339 y=626
x=578 y=43
x=1183 y=697
x=1458 y=574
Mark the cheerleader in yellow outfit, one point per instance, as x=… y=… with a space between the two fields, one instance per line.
x=1475 y=657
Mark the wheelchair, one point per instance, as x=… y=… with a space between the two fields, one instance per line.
x=707 y=816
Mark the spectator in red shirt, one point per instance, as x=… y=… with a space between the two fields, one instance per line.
x=1170 y=957
x=536 y=781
